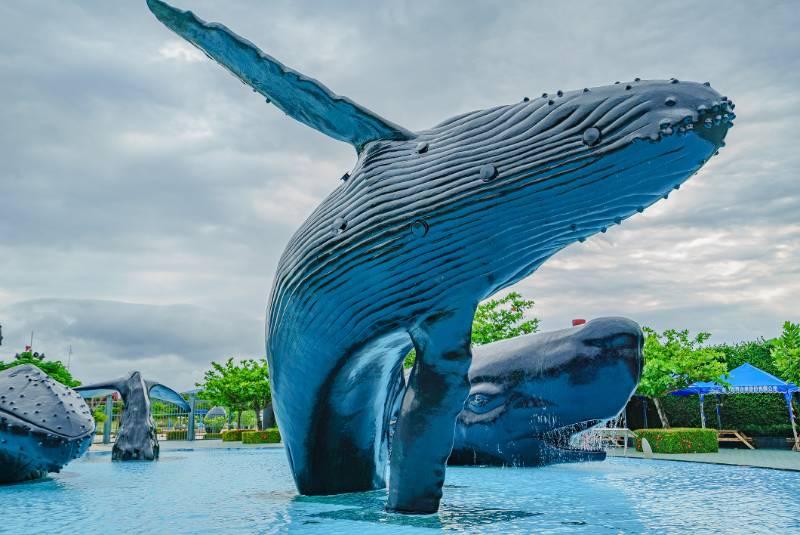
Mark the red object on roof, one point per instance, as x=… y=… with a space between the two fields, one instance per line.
x=578 y=321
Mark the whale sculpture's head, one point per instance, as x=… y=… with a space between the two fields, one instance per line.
x=545 y=172
x=43 y=424
x=529 y=395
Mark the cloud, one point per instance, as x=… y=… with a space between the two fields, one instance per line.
x=146 y=195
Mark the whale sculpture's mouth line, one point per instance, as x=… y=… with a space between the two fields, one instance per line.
x=559 y=437
x=16 y=424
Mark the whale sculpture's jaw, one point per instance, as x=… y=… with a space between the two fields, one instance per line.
x=43 y=424
x=425 y=226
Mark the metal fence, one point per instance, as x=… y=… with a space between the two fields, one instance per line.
x=172 y=423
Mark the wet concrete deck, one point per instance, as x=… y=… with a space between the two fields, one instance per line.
x=776 y=459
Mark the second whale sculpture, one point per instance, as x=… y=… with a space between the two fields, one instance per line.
x=425 y=226
x=43 y=424
x=529 y=395
x=136 y=438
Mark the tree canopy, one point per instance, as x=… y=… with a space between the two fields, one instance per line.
x=674 y=360
x=785 y=352
x=54 y=368
x=497 y=319
x=238 y=386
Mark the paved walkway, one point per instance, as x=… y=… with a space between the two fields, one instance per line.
x=777 y=459
x=167 y=445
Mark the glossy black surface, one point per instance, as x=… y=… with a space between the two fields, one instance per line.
x=136 y=437
x=43 y=424
x=425 y=226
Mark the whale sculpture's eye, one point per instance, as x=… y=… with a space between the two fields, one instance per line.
x=480 y=403
x=591 y=136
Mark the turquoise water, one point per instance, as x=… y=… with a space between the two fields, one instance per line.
x=251 y=491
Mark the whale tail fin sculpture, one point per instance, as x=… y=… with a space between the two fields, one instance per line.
x=136 y=439
x=299 y=96
x=155 y=389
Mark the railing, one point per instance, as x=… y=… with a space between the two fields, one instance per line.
x=172 y=423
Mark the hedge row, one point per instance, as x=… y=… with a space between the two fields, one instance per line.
x=755 y=414
x=176 y=435
x=233 y=435
x=267 y=436
x=679 y=440
x=212 y=436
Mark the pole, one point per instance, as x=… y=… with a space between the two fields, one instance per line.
x=702 y=412
x=719 y=418
x=192 y=406
x=644 y=412
x=109 y=416
x=788 y=396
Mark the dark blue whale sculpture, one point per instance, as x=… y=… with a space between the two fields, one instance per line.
x=136 y=438
x=43 y=424
x=529 y=395
x=425 y=226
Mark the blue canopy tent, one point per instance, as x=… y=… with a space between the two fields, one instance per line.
x=746 y=379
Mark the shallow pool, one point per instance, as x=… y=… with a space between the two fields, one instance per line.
x=251 y=491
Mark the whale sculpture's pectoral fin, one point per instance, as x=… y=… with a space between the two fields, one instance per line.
x=164 y=393
x=97 y=390
x=437 y=388
x=300 y=97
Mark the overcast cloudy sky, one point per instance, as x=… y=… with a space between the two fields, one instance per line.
x=146 y=195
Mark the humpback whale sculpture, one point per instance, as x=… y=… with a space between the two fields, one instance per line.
x=43 y=424
x=425 y=226
x=136 y=438
x=530 y=394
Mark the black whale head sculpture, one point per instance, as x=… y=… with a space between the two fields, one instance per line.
x=43 y=424
x=425 y=226
x=530 y=394
x=136 y=438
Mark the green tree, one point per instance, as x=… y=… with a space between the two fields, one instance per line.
x=54 y=368
x=785 y=352
x=496 y=319
x=239 y=386
x=256 y=378
x=673 y=360
x=222 y=385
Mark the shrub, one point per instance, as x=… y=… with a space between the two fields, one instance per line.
x=178 y=434
x=267 y=436
x=215 y=425
x=232 y=435
x=679 y=440
x=212 y=436
x=99 y=416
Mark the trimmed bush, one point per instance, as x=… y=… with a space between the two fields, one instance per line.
x=232 y=435
x=267 y=436
x=212 y=436
x=176 y=435
x=679 y=440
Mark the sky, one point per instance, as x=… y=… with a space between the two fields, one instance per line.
x=146 y=194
